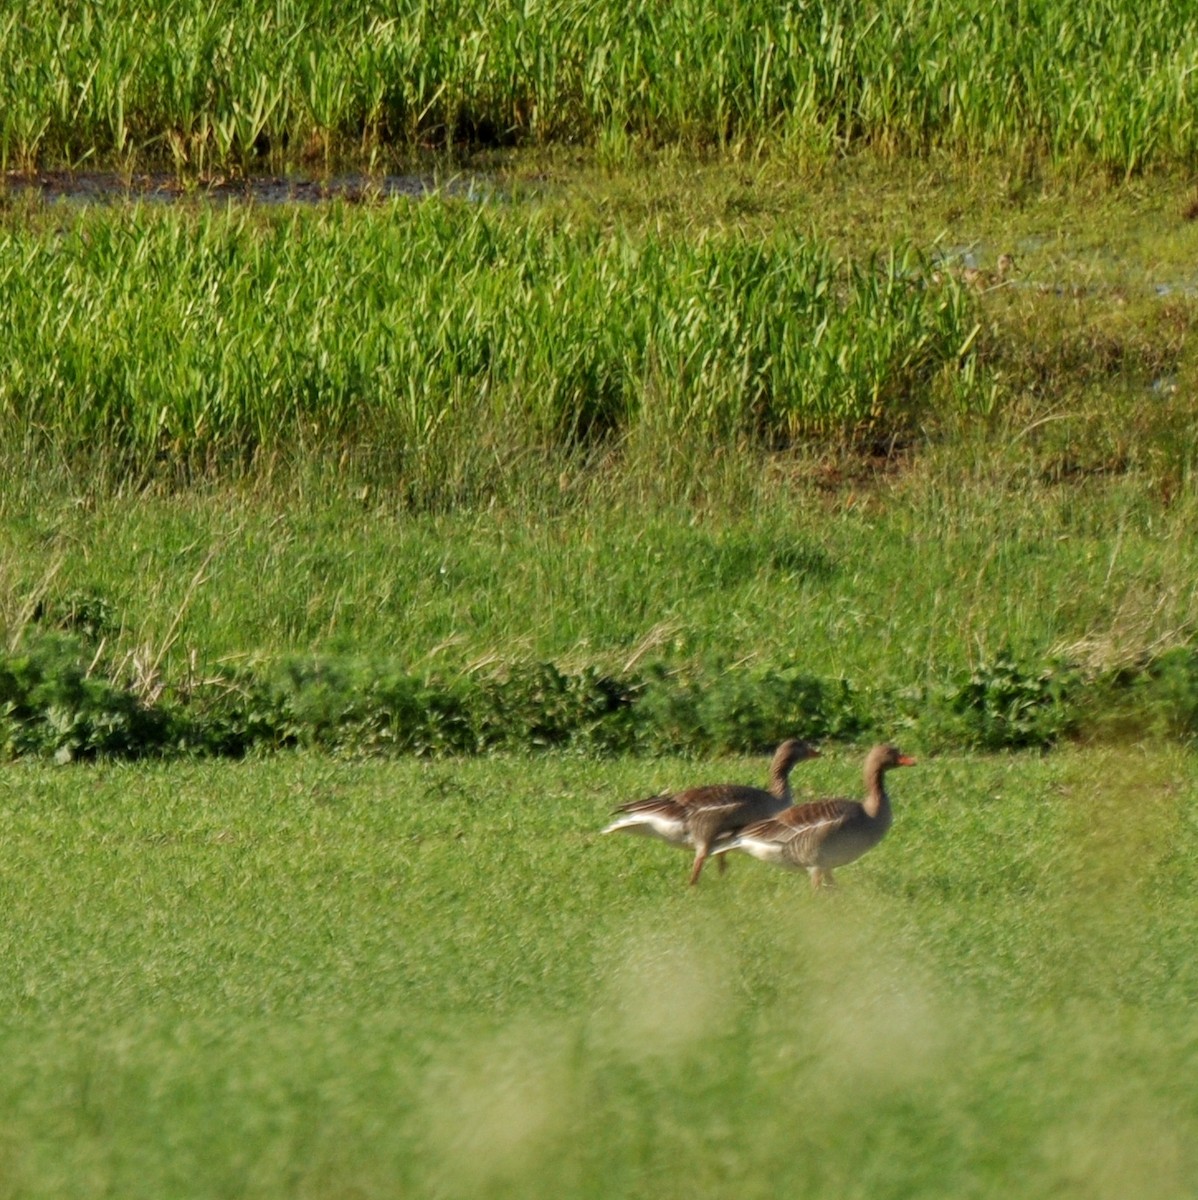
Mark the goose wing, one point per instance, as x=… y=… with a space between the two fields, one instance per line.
x=802 y=823
x=708 y=802
x=664 y=804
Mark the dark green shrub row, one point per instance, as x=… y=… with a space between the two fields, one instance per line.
x=338 y=705
x=52 y=705
x=1000 y=705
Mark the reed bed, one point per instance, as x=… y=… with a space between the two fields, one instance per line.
x=231 y=85
x=429 y=328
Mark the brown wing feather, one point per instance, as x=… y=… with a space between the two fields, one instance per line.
x=709 y=800
x=667 y=802
x=720 y=808
x=803 y=820
x=719 y=797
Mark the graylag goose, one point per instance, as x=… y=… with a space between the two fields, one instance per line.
x=698 y=816
x=824 y=834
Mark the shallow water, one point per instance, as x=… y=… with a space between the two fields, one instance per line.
x=92 y=187
x=976 y=264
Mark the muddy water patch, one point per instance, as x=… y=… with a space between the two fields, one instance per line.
x=110 y=187
x=1095 y=275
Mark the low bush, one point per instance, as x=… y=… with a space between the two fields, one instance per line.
x=51 y=705
x=1001 y=705
x=54 y=704
x=728 y=710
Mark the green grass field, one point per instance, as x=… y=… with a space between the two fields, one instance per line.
x=303 y=977
x=767 y=368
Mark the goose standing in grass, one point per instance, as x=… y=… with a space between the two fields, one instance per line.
x=824 y=834
x=698 y=816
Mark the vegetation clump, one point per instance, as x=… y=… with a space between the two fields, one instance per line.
x=53 y=705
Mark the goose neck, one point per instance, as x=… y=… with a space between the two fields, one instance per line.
x=780 y=784
x=876 y=799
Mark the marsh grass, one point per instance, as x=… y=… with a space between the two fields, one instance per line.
x=238 y=87
x=303 y=977
x=460 y=337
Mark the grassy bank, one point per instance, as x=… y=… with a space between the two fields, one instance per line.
x=353 y=477
x=352 y=971
x=239 y=86
x=693 y=429
x=310 y=978
x=994 y=610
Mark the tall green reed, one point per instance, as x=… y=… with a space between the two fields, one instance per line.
x=433 y=328
x=238 y=85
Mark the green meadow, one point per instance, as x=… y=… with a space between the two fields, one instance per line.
x=741 y=371
x=309 y=977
